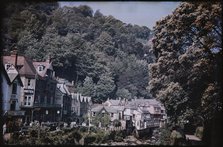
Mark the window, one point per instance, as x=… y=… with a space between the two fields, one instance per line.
x=7 y=66
x=133 y=116
x=162 y=111
x=156 y=109
x=40 y=68
x=112 y=114
x=12 y=106
x=29 y=82
x=14 y=88
x=93 y=114
x=27 y=100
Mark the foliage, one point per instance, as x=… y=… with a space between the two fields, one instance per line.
x=83 y=45
x=102 y=118
x=186 y=73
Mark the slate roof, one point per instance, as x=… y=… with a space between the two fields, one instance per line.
x=142 y=102
x=25 y=65
x=109 y=109
x=63 y=88
x=114 y=102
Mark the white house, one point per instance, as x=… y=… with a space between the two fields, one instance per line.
x=11 y=87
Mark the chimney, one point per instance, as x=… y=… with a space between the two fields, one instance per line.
x=16 y=60
x=72 y=83
x=14 y=53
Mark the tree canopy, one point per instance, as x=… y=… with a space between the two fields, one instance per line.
x=187 y=73
x=85 y=46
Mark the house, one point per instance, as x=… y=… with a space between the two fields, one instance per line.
x=63 y=98
x=146 y=113
x=45 y=107
x=140 y=113
x=11 y=85
x=27 y=74
x=80 y=106
x=115 y=113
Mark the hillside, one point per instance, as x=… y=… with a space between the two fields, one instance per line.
x=102 y=55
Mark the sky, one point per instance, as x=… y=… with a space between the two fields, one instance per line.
x=139 y=13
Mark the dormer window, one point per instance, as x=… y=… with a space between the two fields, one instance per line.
x=41 y=68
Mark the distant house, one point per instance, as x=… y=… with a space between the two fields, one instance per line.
x=80 y=105
x=63 y=98
x=115 y=112
x=146 y=113
x=142 y=113
x=27 y=74
x=11 y=85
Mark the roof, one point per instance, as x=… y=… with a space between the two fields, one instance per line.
x=11 y=76
x=96 y=108
x=63 y=88
x=46 y=64
x=25 y=65
x=114 y=102
x=109 y=109
x=145 y=102
x=12 y=73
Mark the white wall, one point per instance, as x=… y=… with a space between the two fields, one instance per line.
x=25 y=86
x=5 y=93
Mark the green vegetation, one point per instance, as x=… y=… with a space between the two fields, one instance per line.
x=101 y=54
x=187 y=73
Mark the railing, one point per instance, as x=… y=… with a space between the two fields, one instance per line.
x=16 y=113
x=46 y=105
x=27 y=90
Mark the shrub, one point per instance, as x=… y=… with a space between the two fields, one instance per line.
x=89 y=139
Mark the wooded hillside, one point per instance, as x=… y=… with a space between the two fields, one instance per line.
x=104 y=56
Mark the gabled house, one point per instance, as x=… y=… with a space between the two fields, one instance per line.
x=11 y=85
x=28 y=75
x=63 y=98
x=44 y=107
x=80 y=106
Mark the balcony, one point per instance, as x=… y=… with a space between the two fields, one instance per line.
x=44 y=105
x=16 y=113
x=26 y=90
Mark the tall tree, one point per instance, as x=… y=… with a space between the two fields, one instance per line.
x=186 y=76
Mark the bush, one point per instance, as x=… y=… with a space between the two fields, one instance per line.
x=89 y=139
x=83 y=129
x=116 y=136
x=164 y=138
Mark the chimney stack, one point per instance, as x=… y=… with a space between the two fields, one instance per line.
x=14 y=52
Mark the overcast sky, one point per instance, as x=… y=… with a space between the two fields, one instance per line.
x=140 y=13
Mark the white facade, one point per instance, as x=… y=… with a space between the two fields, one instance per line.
x=10 y=91
x=28 y=91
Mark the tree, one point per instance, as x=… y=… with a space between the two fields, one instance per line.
x=105 y=87
x=187 y=46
